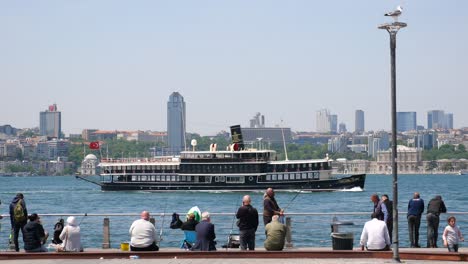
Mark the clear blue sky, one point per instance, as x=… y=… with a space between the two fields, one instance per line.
x=113 y=64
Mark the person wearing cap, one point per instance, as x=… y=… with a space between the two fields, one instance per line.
x=71 y=236
x=17 y=225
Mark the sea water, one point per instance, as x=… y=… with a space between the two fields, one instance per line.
x=65 y=195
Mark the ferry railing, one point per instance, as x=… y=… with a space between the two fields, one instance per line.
x=307 y=229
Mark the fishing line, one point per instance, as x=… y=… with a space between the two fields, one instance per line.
x=162 y=222
x=232 y=224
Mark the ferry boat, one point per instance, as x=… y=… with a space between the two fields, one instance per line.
x=236 y=169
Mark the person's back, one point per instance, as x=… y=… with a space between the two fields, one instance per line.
x=436 y=206
x=276 y=234
x=18 y=217
x=190 y=224
x=143 y=234
x=205 y=235
x=375 y=235
x=34 y=235
x=71 y=236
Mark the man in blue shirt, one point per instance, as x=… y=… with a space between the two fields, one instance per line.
x=415 y=210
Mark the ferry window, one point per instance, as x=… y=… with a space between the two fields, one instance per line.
x=275 y=177
x=163 y=178
x=222 y=178
x=143 y=178
x=234 y=179
x=173 y=178
x=268 y=177
x=286 y=176
x=182 y=178
x=153 y=178
x=280 y=177
x=309 y=175
x=195 y=178
x=158 y=178
x=298 y=176
x=207 y=179
x=304 y=175
x=134 y=178
x=119 y=167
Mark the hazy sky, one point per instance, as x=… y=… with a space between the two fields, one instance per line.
x=113 y=64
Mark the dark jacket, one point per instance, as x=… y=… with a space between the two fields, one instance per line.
x=379 y=211
x=12 y=212
x=189 y=225
x=248 y=217
x=269 y=206
x=415 y=207
x=389 y=205
x=33 y=233
x=205 y=237
x=436 y=206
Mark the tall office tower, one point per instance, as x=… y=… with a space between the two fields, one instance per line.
x=436 y=119
x=406 y=121
x=323 y=123
x=449 y=121
x=176 y=123
x=342 y=128
x=50 y=122
x=333 y=123
x=359 y=121
x=258 y=121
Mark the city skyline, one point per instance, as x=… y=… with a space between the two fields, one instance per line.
x=112 y=64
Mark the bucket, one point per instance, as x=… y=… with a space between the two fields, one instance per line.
x=124 y=246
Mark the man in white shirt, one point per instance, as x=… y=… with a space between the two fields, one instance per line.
x=375 y=235
x=143 y=234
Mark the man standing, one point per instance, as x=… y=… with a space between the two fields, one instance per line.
x=388 y=219
x=18 y=217
x=435 y=207
x=270 y=206
x=415 y=210
x=379 y=209
x=275 y=233
x=247 y=223
x=375 y=235
x=205 y=234
x=143 y=234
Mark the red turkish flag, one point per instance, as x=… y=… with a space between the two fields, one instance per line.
x=94 y=145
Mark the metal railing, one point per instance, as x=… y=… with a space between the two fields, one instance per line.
x=307 y=229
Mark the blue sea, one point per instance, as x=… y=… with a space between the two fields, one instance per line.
x=311 y=213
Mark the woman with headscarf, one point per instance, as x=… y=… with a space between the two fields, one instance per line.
x=71 y=236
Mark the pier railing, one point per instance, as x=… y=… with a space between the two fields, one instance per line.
x=108 y=230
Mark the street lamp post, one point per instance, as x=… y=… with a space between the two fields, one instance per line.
x=392 y=29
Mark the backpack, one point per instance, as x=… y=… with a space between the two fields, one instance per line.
x=18 y=212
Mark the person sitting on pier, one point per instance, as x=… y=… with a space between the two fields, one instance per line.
x=270 y=206
x=205 y=235
x=143 y=234
x=71 y=236
x=375 y=235
x=34 y=235
x=190 y=224
x=276 y=234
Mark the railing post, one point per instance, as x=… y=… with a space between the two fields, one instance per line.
x=289 y=243
x=106 y=234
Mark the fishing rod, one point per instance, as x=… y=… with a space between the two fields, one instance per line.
x=84 y=216
x=232 y=224
x=162 y=222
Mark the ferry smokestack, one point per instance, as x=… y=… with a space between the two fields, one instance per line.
x=236 y=136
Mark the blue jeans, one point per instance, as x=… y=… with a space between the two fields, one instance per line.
x=247 y=239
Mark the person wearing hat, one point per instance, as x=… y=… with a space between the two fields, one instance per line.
x=71 y=236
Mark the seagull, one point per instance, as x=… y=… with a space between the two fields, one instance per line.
x=395 y=14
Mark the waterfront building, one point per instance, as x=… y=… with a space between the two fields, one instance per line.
x=50 y=122
x=89 y=165
x=266 y=135
x=408 y=160
x=176 y=123
x=9 y=149
x=406 y=121
x=103 y=135
x=258 y=121
x=359 y=121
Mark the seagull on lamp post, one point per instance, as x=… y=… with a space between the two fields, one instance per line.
x=395 y=14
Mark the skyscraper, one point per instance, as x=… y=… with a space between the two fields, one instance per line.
x=323 y=123
x=333 y=123
x=50 y=122
x=359 y=121
x=437 y=119
x=406 y=121
x=176 y=123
